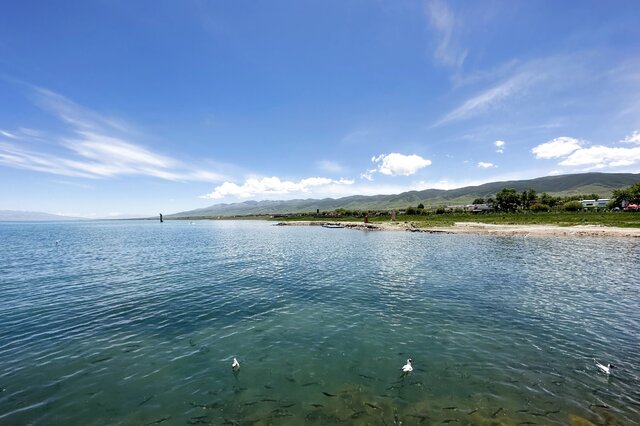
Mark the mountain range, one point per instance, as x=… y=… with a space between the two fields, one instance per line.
x=561 y=185
x=24 y=216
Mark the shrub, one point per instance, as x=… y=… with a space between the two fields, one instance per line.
x=539 y=207
x=572 y=206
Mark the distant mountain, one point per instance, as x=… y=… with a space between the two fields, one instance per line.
x=21 y=216
x=563 y=185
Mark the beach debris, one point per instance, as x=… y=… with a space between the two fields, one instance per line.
x=449 y=408
x=195 y=420
x=472 y=411
x=607 y=369
x=356 y=414
x=408 y=367
x=268 y=400
x=422 y=417
x=235 y=365
x=495 y=413
x=96 y=361
x=310 y=384
x=147 y=399
x=328 y=394
x=203 y=406
x=279 y=412
x=288 y=405
x=161 y=420
x=450 y=420
x=317 y=405
x=375 y=407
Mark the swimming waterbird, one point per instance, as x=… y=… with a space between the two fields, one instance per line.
x=235 y=365
x=604 y=368
x=407 y=368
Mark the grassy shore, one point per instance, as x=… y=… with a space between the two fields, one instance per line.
x=617 y=219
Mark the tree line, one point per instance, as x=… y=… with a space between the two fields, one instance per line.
x=508 y=200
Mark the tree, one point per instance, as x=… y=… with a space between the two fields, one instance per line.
x=478 y=201
x=547 y=199
x=528 y=197
x=631 y=194
x=411 y=210
x=421 y=206
x=507 y=200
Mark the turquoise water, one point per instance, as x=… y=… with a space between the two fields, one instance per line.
x=134 y=322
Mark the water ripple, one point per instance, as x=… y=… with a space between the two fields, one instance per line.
x=137 y=322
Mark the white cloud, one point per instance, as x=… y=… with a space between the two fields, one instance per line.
x=632 y=138
x=558 y=147
x=600 y=156
x=444 y=23
x=396 y=164
x=499 y=146
x=490 y=98
x=99 y=147
x=485 y=165
x=574 y=154
x=271 y=186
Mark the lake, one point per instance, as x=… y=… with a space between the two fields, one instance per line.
x=137 y=322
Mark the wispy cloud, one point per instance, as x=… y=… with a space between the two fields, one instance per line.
x=330 y=166
x=490 y=98
x=97 y=147
x=271 y=186
x=444 y=24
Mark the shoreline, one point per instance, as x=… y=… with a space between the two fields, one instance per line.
x=477 y=228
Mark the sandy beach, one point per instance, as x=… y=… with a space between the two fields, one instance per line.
x=486 y=229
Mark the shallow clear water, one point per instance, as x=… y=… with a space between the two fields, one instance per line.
x=136 y=322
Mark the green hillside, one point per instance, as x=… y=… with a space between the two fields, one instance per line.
x=564 y=185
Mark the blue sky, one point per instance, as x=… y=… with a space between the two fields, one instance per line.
x=119 y=108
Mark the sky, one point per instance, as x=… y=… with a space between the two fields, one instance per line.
x=116 y=108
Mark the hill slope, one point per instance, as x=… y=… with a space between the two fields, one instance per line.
x=562 y=185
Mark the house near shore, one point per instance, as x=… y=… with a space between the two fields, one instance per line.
x=595 y=204
x=473 y=208
x=478 y=208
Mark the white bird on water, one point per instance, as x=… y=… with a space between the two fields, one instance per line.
x=604 y=368
x=235 y=365
x=407 y=368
